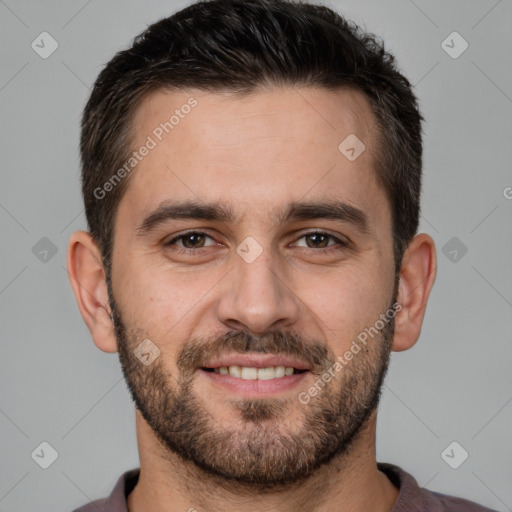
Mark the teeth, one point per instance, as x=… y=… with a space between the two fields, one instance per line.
x=280 y=371
x=266 y=373
x=248 y=373
x=235 y=371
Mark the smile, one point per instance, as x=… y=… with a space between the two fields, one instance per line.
x=251 y=373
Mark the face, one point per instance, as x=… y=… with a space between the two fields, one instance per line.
x=253 y=254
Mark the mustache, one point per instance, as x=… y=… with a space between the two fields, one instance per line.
x=198 y=351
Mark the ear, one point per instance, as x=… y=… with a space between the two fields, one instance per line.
x=417 y=276
x=88 y=280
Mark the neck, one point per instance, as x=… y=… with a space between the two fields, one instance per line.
x=350 y=482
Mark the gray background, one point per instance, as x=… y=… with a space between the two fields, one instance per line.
x=454 y=385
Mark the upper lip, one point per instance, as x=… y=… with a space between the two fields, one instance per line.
x=257 y=361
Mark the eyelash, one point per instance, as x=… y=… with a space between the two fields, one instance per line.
x=326 y=250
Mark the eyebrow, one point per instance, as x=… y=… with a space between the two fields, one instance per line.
x=218 y=212
x=185 y=210
x=332 y=210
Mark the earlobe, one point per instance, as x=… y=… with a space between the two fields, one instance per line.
x=417 y=277
x=87 y=278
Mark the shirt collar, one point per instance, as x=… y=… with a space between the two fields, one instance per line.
x=411 y=495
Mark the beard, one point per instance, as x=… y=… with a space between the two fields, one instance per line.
x=257 y=451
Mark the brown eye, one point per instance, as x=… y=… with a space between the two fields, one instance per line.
x=192 y=240
x=320 y=240
x=317 y=239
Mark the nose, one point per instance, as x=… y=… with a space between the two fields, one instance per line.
x=256 y=296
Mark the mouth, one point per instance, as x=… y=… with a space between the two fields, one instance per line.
x=253 y=373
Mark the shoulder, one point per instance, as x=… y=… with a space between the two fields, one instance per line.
x=413 y=498
x=116 y=502
x=450 y=503
x=93 y=506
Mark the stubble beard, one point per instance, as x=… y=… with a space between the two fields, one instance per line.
x=260 y=454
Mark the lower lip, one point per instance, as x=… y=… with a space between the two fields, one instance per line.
x=255 y=387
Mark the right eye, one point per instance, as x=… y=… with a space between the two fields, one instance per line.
x=190 y=241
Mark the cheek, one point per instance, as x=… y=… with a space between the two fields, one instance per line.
x=346 y=302
x=159 y=299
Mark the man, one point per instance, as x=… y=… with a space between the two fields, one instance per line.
x=251 y=176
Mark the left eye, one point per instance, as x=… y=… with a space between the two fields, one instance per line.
x=319 y=240
x=191 y=240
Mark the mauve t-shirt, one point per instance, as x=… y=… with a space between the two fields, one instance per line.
x=412 y=497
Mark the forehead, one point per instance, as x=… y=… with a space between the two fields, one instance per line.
x=266 y=148
x=324 y=117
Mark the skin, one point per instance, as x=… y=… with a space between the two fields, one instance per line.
x=256 y=154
